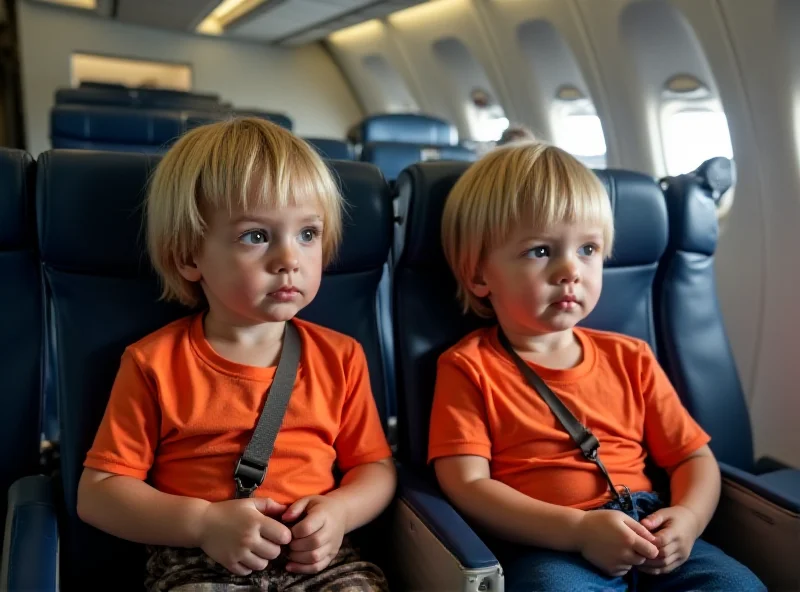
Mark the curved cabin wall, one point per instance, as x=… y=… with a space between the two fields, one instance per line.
x=746 y=53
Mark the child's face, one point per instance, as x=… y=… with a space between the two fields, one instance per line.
x=260 y=266
x=544 y=282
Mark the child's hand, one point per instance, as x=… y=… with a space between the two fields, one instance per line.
x=614 y=542
x=318 y=536
x=676 y=530
x=241 y=536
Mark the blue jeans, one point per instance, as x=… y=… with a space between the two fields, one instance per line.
x=529 y=569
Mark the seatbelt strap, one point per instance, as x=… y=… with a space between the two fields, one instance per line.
x=251 y=469
x=581 y=435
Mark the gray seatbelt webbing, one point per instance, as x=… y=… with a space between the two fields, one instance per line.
x=251 y=469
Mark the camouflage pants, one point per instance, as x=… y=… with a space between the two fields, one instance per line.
x=191 y=570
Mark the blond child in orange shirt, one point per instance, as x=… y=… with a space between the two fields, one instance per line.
x=241 y=218
x=525 y=231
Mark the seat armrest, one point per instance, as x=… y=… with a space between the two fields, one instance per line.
x=443 y=521
x=30 y=549
x=434 y=549
x=758 y=485
x=758 y=525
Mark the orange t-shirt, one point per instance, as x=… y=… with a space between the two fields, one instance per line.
x=180 y=415
x=483 y=406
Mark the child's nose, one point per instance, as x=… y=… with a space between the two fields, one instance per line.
x=567 y=272
x=284 y=259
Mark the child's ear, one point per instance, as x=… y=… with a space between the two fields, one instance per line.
x=478 y=286
x=189 y=270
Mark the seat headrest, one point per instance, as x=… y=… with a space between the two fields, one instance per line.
x=640 y=229
x=131 y=97
x=636 y=200
x=116 y=124
x=392 y=157
x=16 y=203
x=693 y=224
x=90 y=211
x=277 y=118
x=367 y=220
x=406 y=127
x=91 y=214
x=330 y=148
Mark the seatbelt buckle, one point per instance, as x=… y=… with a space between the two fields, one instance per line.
x=589 y=445
x=248 y=477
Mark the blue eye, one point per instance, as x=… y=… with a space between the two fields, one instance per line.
x=588 y=250
x=308 y=235
x=538 y=252
x=254 y=237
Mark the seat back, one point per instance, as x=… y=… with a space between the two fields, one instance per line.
x=104 y=296
x=695 y=350
x=392 y=157
x=425 y=304
x=116 y=129
x=413 y=128
x=330 y=148
x=133 y=97
x=21 y=324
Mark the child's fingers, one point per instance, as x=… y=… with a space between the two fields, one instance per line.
x=640 y=530
x=268 y=506
x=296 y=510
x=309 y=557
x=656 y=519
x=311 y=542
x=307 y=569
x=663 y=554
x=309 y=525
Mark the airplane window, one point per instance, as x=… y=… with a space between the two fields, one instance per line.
x=692 y=136
x=582 y=136
x=489 y=119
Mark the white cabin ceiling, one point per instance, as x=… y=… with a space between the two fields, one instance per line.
x=275 y=22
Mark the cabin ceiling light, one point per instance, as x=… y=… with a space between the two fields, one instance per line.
x=86 y=4
x=225 y=13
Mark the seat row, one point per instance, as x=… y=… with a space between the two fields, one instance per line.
x=76 y=288
x=390 y=141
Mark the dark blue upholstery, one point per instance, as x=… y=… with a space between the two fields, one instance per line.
x=114 y=128
x=411 y=128
x=393 y=157
x=104 y=296
x=333 y=149
x=21 y=323
x=140 y=130
x=425 y=304
x=277 y=118
x=694 y=345
x=130 y=97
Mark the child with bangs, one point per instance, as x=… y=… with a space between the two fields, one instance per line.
x=242 y=216
x=525 y=231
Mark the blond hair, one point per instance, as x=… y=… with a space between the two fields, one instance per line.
x=529 y=183
x=245 y=162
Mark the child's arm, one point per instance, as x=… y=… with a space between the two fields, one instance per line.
x=365 y=492
x=695 y=488
x=237 y=534
x=609 y=539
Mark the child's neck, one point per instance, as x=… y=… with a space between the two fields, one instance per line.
x=243 y=343
x=558 y=350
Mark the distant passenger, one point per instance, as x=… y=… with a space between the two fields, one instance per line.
x=515 y=133
x=241 y=218
x=525 y=231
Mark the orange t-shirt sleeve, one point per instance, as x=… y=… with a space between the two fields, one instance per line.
x=361 y=438
x=458 y=417
x=670 y=433
x=126 y=440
